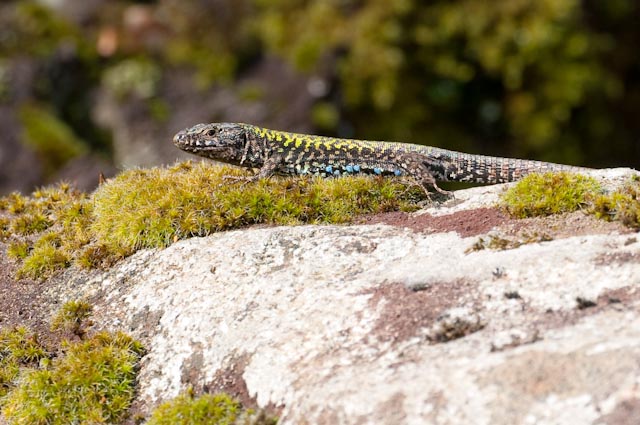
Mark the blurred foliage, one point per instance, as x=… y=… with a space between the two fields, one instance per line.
x=139 y=77
x=66 y=69
x=551 y=79
x=49 y=136
x=30 y=28
x=210 y=35
x=458 y=72
x=4 y=80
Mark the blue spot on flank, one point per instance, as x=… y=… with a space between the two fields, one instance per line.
x=397 y=172
x=336 y=173
x=349 y=168
x=377 y=170
x=329 y=169
x=356 y=168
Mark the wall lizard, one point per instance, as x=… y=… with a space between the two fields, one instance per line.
x=279 y=152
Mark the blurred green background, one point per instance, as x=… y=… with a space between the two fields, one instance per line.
x=93 y=86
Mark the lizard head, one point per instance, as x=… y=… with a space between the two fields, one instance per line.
x=220 y=141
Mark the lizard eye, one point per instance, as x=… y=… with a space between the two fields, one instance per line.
x=211 y=132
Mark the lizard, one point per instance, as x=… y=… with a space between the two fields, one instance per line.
x=279 y=152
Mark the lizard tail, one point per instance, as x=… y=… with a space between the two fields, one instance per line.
x=491 y=169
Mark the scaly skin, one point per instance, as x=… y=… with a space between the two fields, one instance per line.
x=279 y=152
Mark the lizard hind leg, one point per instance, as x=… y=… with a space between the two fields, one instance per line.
x=422 y=169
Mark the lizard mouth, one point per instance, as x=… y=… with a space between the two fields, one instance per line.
x=185 y=142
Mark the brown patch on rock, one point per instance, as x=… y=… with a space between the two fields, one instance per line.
x=480 y=221
x=192 y=366
x=526 y=378
x=466 y=223
x=617 y=258
x=24 y=302
x=625 y=413
x=626 y=296
x=621 y=298
x=389 y=412
x=563 y=226
x=229 y=380
x=406 y=312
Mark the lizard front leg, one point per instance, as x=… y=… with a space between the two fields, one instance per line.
x=267 y=170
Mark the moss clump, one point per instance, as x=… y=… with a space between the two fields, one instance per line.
x=219 y=409
x=45 y=258
x=28 y=224
x=156 y=207
x=622 y=205
x=48 y=228
x=18 y=250
x=153 y=208
x=4 y=227
x=13 y=203
x=550 y=193
x=553 y=193
x=19 y=348
x=92 y=382
x=73 y=317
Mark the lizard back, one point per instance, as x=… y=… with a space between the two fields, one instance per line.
x=319 y=155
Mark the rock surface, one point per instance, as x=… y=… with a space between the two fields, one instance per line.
x=387 y=324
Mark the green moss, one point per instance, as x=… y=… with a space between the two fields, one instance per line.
x=95 y=255
x=19 y=348
x=155 y=207
x=21 y=344
x=218 y=409
x=207 y=409
x=49 y=227
x=28 y=224
x=18 y=249
x=152 y=208
x=93 y=382
x=13 y=203
x=552 y=193
x=622 y=205
x=44 y=259
x=549 y=193
x=73 y=317
x=9 y=372
x=5 y=224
